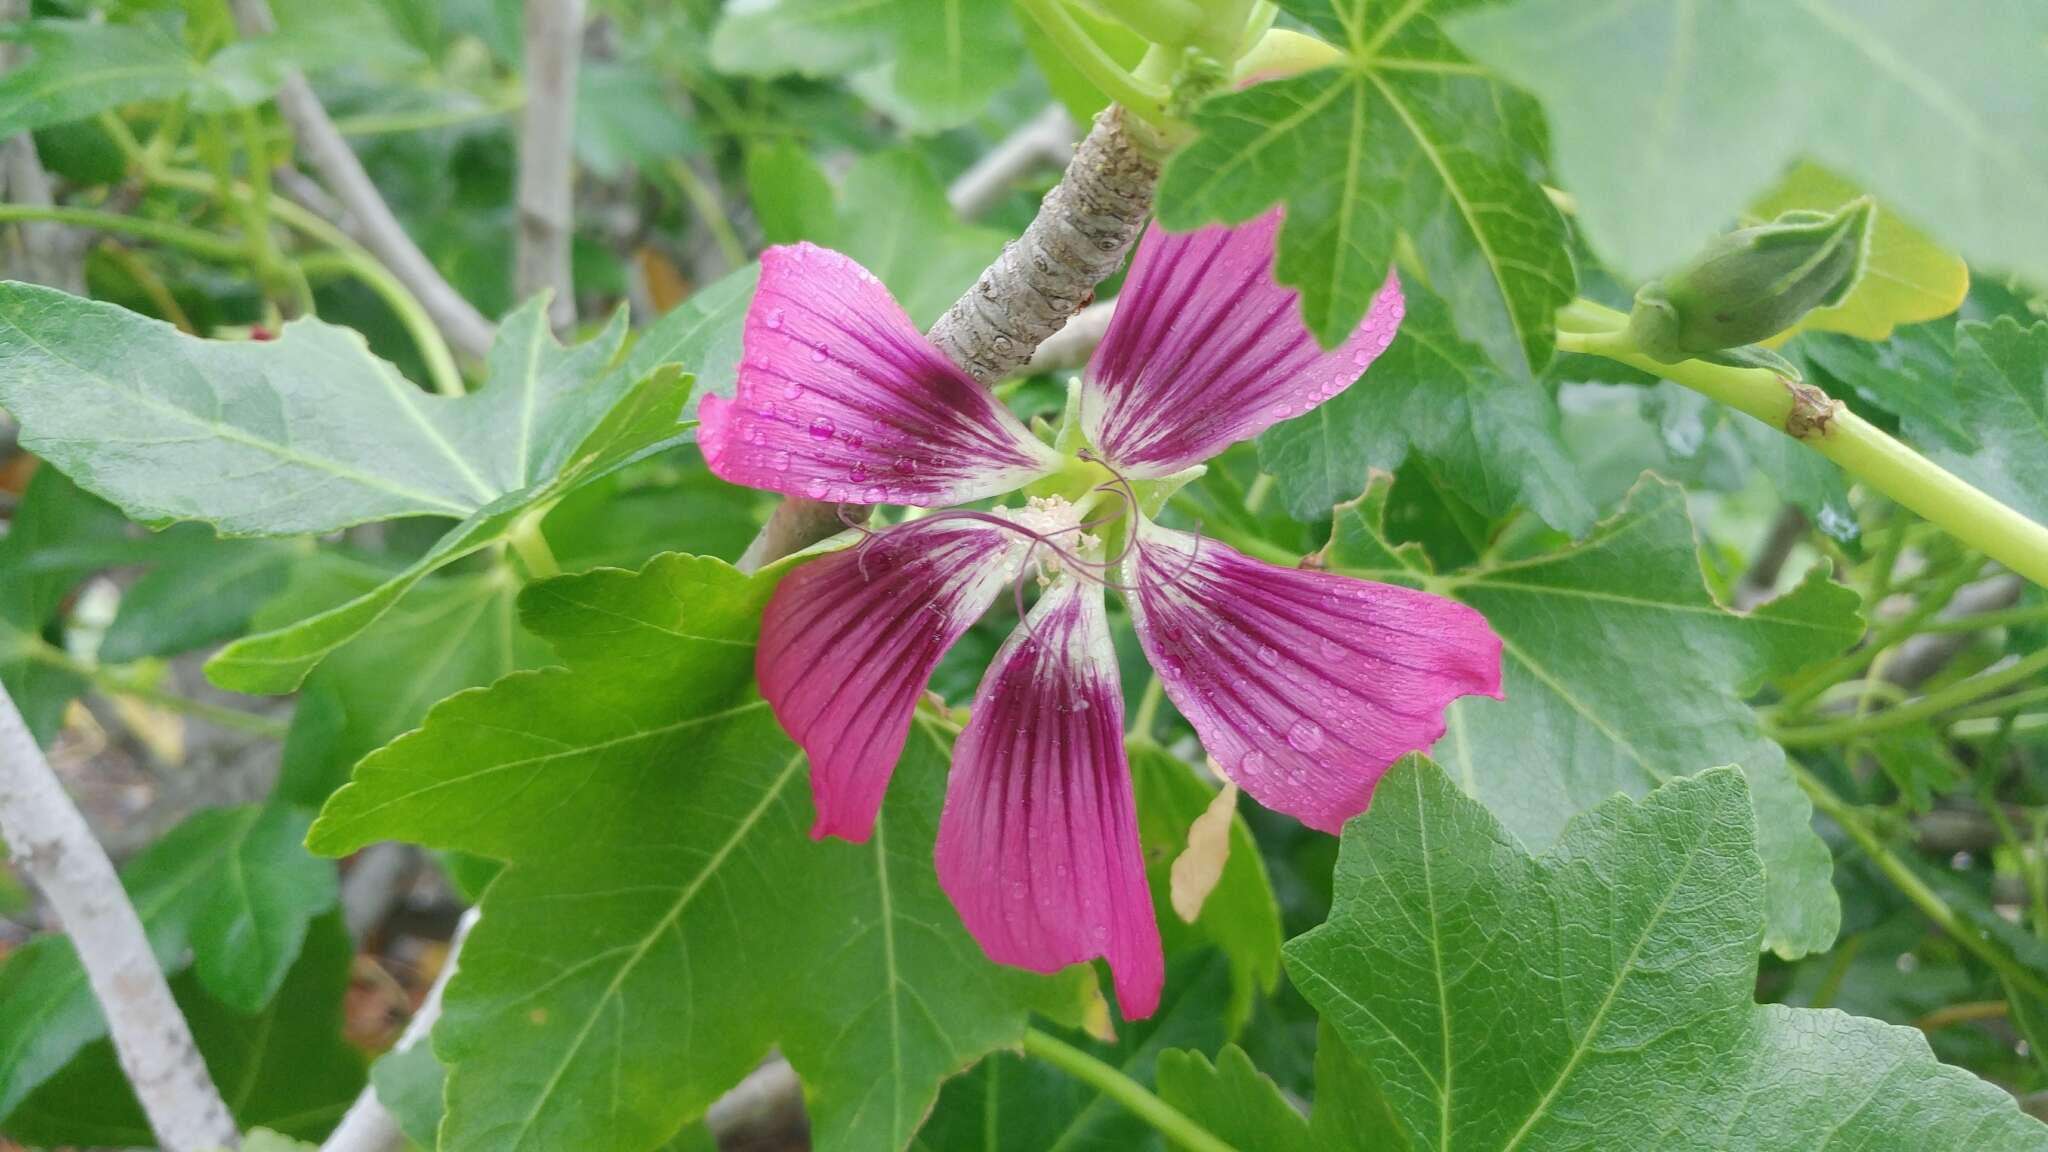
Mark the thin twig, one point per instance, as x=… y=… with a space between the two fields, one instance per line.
x=1045 y=139
x=547 y=172
x=370 y=219
x=369 y=1126
x=54 y=847
x=1760 y=583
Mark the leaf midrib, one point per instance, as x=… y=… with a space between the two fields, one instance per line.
x=661 y=928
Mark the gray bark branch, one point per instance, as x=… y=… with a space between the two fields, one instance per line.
x=547 y=172
x=1083 y=229
x=43 y=252
x=369 y=219
x=53 y=846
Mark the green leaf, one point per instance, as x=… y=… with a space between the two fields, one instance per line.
x=1012 y=1104
x=892 y=216
x=655 y=821
x=199 y=592
x=791 y=195
x=1490 y=436
x=545 y=464
x=451 y=633
x=284 y=1066
x=932 y=64
x=80 y=68
x=1240 y=916
x=1600 y=994
x=1234 y=1101
x=1907 y=277
x=1670 y=116
x=58 y=535
x=305 y=433
x=702 y=334
x=2000 y=393
x=624 y=119
x=233 y=884
x=1406 y=139
x=1574 y=729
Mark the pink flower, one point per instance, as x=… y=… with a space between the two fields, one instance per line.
x=1304 y=686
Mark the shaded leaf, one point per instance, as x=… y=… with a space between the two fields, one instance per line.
x=1622 y=673
x=1406 y=139
x=1601 y=994
x=283 y=1066
x=655 y=820
x=1670 y=117
x=225 y=879
x=1491 y=437
x=931 y=63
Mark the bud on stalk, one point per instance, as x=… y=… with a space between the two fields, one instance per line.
x=1753 y=283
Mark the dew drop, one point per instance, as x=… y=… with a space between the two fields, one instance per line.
x=780 y=461
x=815 y=489
x=854 y=439
x=1252 y=763
x=859 y=475
x=1173 y=669
x=1269 y=656
x=1331 y=649
x=775 y=318
x=836 y=494
x=819 y=353
x=876 y=495
x=1305 y=736
x=793 y=391
x=821 y=428
x=906 y=465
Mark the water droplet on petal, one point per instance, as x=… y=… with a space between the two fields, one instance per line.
x=780 y=461
x=793 y=391
x=1172 y=668
x=815 y=489
x=819 y=353
x=906 y=465
x=1305 y=736
x=854 y=439
x=821 y=428
x=1269 y=656
x=859 y=475
x=1331 y=649
x=1252 y=763
x=775 y=318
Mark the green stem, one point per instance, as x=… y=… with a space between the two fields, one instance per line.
x=1982 y=621
x=1148 y=709
x=113 y=683
x=1913 y=887
x=705 y=202
x=1171 y=1122
x=1160 y=21
x=441 y=369
x=196 y=241
x=1852 y=663
x=396 y=122
x=1147 y=101
x=1255 y=497
x=533 y=549
x=1863 y=450
x=1926 y=707
x=1837 y=972
x=2004 y=705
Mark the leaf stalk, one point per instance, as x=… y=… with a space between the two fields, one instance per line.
x=1171 y=1122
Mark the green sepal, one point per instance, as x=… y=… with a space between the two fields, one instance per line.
x=1753 y=283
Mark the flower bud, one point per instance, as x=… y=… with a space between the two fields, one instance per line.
x=1753 y=283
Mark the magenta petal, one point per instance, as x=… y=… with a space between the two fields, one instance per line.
x=849 y=640
x=1038 y=845
x=1206 y=349
x=841 y=398
x=1304 y=686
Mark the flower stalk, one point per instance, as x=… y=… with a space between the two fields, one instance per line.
x=1171 y=1122
x=1828 y=427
